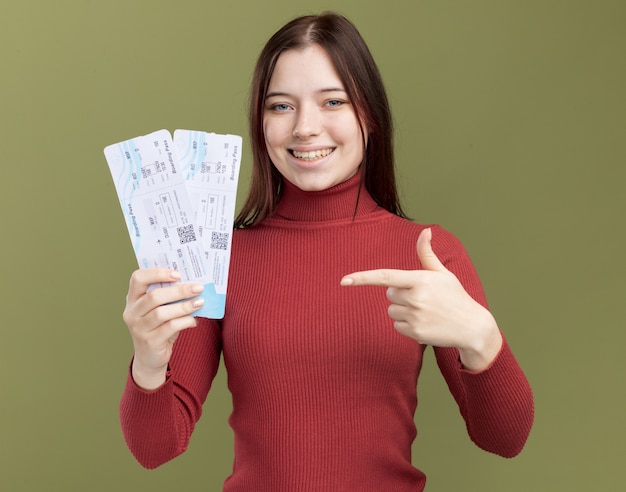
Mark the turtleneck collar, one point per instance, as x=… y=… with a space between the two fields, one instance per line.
x=336 y=203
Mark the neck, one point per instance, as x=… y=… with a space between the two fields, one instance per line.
x=343 y=201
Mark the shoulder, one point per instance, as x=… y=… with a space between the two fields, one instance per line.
x=405 y=232
x=446 y=245
x=445 y=242
x=442 y=239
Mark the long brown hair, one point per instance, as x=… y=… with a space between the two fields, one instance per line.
x=363 y=84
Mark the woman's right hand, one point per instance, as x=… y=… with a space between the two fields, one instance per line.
x=155 y=319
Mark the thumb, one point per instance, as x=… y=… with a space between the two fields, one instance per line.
x=425 y=252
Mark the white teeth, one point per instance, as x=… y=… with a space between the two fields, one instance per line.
x=315 y=154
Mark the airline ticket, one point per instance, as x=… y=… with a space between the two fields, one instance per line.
x=178 y=198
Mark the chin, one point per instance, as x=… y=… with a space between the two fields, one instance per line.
x=318 y=183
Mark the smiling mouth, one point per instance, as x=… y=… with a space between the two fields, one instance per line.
x=312 y=155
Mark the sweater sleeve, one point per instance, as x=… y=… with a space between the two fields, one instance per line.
x=157 y=425
x=497 y=403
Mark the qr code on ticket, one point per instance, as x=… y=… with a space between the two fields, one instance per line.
x=186 y=234
x=219 y=240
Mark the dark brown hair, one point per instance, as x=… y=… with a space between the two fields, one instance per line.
x=364 y=87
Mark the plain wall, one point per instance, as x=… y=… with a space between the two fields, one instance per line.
x=511 y=129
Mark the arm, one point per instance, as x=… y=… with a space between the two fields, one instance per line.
x=496 y=404
x=443 y=305
x=495 y=400
x=157 y=425
x=172 y=369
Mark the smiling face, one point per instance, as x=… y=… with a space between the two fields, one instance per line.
x=311 y=129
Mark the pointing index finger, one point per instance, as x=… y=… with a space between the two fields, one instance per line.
x=385 y=277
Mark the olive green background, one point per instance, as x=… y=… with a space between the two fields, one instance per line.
x=510 y=132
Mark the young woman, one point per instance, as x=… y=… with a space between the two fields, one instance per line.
x=333 y=297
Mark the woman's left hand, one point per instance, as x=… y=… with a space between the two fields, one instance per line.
x=432 y=307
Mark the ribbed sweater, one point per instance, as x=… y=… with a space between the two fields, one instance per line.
x=324 y=389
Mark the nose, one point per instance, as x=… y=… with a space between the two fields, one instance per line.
x=308 y=122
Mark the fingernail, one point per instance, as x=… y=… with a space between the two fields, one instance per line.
x=197 y=288
x=175 y=274
x=347 y=281
x=197 y=302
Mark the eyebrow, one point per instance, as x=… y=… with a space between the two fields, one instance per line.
x=321 y=91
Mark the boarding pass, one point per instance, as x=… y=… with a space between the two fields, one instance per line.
x=178 y=198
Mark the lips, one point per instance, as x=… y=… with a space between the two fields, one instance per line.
x=312 y=154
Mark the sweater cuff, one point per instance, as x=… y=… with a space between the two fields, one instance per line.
x=503 y=372
x=131 y=384
x=502 y=357
x=149 y=404
x=147 y=419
